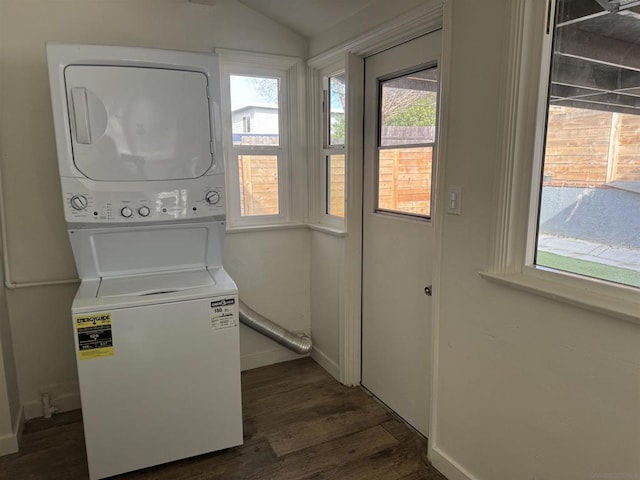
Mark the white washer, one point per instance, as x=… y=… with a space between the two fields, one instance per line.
x=156 y=316
x=159 y=372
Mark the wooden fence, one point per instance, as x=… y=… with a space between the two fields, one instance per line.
x=404 y=180
x=335 y=195
x=258 y=184
x=585 y=148
x=588 y=148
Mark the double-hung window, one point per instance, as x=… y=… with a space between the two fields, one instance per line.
x=589 y=210
x=257 y=104
x=333 y=153
x=576 y=237
x=327 y=113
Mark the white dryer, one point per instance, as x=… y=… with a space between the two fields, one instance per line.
x=156 y=316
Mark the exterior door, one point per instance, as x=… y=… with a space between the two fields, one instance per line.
x=401 y=99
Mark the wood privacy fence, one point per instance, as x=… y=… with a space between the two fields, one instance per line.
x=585 y=148
x=588 y=148
x=336 y=187
x=258 y=184
x=404 y=180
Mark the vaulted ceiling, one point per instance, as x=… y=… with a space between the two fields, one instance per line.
x=307 y=17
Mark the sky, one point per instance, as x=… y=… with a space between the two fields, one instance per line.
x=247 y=91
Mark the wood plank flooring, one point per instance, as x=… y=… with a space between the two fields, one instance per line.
x=299 y=423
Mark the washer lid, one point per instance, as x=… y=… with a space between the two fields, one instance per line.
x=126 y=251
x=147 y=289
x=157 y=284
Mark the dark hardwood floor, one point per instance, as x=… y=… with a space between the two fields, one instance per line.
x=299 y=423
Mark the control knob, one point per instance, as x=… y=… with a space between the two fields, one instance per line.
x=126 y=212
x=78 y=202
x=212 y=197
x=144 y=211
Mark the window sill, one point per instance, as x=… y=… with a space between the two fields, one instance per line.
x=264 y=228
x=617 y=301
x=336 y=232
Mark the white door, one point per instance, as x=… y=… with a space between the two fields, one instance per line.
x=401 y=89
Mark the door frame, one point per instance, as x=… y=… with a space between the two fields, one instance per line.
x=431 y=16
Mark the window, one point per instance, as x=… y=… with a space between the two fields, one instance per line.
x=246 y=124
x=258 y=105
x=406 y=142
x=256 y=147
x=589 y=210
x=565 y=129
x=334 y=101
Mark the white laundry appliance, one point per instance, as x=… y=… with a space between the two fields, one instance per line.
x=155 y=318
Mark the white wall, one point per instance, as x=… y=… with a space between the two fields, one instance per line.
x=271 y=269
x=327 y=290
x=528 y=388
x=37 y=241
x=10 y=411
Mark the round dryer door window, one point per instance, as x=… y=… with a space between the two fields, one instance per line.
x=137 y=124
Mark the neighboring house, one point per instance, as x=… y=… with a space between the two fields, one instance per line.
x=255 y=120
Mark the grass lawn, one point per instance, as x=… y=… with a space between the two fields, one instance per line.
x=590 y=269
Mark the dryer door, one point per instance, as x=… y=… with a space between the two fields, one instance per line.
x=136 y=124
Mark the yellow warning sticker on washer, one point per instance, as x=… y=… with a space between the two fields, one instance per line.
x=95 y=338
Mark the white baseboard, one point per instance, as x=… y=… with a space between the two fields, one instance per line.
x=267 y=357
x=8 y=444
x=447 y=466
x=325 y=362
x=11 y=443
x=64 y=402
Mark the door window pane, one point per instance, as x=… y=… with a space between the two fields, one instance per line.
x=408 y=108
x=258 y=184
x=408 y=120
x=335 y=185
x=589 y=216
x=404 y=180
x=255 y=110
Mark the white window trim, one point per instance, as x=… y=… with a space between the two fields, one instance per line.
x=318 y=218
x=518 y=173
x=291 y=167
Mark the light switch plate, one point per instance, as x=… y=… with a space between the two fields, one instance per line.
x=454 y=199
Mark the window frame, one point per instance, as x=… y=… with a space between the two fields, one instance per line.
x=318 y=217
x=288 y=71
x=519 y=169
x=428 y=218
x=329 y=149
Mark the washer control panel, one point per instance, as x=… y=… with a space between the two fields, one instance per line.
x=86 y=202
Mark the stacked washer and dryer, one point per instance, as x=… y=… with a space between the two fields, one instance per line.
x=155 y=319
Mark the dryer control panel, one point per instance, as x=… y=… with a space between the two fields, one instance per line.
x=86 y=202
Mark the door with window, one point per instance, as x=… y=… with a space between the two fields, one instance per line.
x=401 y=100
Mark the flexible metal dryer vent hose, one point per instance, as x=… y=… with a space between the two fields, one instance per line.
x=298 y=343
